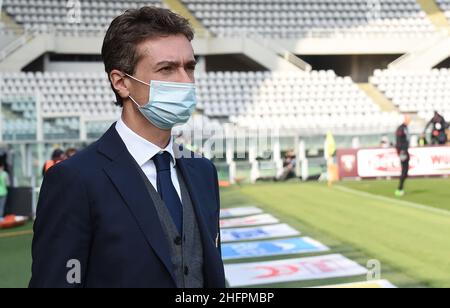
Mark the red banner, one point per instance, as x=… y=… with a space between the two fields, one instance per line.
x=373 y=163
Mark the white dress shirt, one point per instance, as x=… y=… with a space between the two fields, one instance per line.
x=143 y=151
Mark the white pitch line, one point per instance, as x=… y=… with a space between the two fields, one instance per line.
x=399 y=202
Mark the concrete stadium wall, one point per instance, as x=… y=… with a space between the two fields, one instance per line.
x=359 y=67
x=6 y=39
x=73 y=67
x=223 y=46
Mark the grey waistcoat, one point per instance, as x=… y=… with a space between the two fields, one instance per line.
x=187 y=252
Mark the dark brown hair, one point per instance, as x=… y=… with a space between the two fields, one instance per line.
x=127 y=31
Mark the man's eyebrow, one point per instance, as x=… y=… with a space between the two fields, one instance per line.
x=169 y=63
x=174 y=63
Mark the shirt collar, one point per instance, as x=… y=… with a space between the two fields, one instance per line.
x=142 y=150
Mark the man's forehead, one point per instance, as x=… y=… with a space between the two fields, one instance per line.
x=176 y=49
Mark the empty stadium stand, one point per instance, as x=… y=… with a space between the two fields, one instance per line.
x=76 y=108
x=64 y=17
x=304 y=102
x=297 y=27
x=307 y=103
x=302 y=18
x=274 y=19
x=64 y=101
x=62 y=98
x=416 y=92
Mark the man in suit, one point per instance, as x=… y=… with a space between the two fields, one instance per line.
x=134 y=209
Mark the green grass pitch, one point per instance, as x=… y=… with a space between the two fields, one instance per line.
x=361 y=220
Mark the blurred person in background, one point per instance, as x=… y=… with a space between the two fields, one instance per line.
x=423 y=142
x=385 y=143
x=70 y=152
x=58 y=156
x=289 y=164
x=439 y=127
x=330 y=150
x=4 y=183
x=448 y=136
x=402 y=146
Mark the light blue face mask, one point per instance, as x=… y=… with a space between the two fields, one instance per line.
x=170 y=103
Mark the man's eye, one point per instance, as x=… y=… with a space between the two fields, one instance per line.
x=165 y=69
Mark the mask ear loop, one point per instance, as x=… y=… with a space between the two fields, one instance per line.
x=135 y=79
x=134 y=101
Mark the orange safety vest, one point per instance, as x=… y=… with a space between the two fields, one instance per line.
x=50 y=164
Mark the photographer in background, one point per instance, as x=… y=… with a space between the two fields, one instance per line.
x=438 y=133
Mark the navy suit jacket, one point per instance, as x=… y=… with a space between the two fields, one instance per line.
x=94 y=208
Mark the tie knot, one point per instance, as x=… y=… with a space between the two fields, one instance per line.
x=162 y=161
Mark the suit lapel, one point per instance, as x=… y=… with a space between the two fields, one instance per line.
x=123 y=174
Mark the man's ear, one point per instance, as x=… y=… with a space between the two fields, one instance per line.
x=120 y=84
